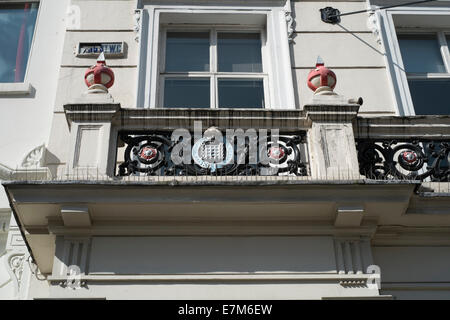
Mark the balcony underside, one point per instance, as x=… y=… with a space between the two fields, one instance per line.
x=116 y=208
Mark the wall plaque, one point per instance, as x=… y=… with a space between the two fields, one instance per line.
x=93 y=49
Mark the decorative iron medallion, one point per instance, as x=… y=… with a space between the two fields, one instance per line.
x=212 y=155
x=277 y=153
x=404 y=160
x=147 y=154
x=409 y=156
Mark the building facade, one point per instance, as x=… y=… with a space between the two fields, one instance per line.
x=200 y=149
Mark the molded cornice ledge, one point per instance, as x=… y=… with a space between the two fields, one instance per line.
x=33 y=173
x=331 y=112
x=91 y=112
x=170 y=119
x=429 y=126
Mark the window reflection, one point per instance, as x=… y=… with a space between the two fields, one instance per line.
x=186 y=93
x=241 y=93
x=187 y=51
x=239 y=52
x=17 y=22
x=421 y=54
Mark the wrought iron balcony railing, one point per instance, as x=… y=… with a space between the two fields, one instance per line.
x=261 y=153
x=408 y=160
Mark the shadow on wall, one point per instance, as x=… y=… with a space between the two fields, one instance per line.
x=52 y=162
x=191 y=255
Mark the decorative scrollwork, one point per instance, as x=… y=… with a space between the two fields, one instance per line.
x=404 y=160
x=290 y=24
x=152 y=155
x=34 y=157
x=15 y=266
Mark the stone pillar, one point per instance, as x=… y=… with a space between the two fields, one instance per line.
x=92 y=143
x=331 y=141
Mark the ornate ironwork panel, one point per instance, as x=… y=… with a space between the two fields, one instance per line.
x=153 y=154
x=411 y=160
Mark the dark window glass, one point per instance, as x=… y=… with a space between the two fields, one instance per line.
x=421 y=53
x=239 y=52
x=187 y=51
x=430 y=96
x=444 y=164
x=186 y=93
x=241 y=93
x=17 y=23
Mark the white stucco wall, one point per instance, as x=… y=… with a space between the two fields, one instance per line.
x=349 y=48
x=414 y=272
x=26 y=119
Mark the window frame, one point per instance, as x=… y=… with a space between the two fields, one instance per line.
x=389 y=37
x=213 y=74
x=269 y=15
x=23 y=87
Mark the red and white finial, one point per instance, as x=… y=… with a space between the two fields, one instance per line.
x=99 y=77
x=321 y=80
x=319 y=62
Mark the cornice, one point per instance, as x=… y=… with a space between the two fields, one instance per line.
x=426 y=127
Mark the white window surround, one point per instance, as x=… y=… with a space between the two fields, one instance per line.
x=25 y=87
x=415 y=20
x=268 y=15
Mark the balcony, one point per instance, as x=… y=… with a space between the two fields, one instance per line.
x=336 y=174
x=320 y=143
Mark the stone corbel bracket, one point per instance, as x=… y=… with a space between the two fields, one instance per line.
x=373 y=25
x=290 y=22
x=137 y=24
x=15 y=262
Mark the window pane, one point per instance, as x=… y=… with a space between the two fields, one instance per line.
x=444 y=164
x=186 y=93
x=187 y=51
x=239 y=52
x=421 y=53
x=430 y=96
x=17 y=27
x=241 y=93
x=448 y=42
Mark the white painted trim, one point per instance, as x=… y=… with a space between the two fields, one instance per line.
x=17 y=88
x=281 y=89
x=33 y=40
x=394 y=62
x=311 y=276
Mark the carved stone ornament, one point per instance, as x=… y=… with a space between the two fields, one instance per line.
x=137 y=23
x=290 y=26
x=372 y=24
x=15 y=263
x=34 y=158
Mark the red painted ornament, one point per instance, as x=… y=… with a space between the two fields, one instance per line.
x=148 y=153
x=99 y=74
x=321 y=76
x=409 y=156
x=276 y=153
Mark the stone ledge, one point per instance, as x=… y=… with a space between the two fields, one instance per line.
x=15 y=89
